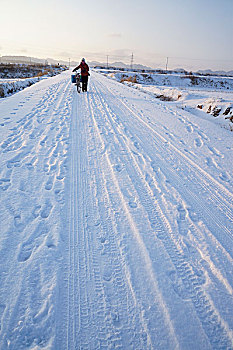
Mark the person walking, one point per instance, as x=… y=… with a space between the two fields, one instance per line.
x=84 y=73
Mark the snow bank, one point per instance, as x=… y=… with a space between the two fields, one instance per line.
x=16 y=77
x=216 y=104
x=177 y=80
x=164 y=94
x=217 y=107
x=212 y=95
x=10 y=86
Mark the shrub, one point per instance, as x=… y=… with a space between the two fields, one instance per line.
x=129 y=79
x=227 y=111
x=2 y=93
x=216 y=111
x=40 y=74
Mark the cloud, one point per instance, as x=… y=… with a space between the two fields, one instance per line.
x=120 y=53
x=101 y=56
x=23 y=50
x=115 y=35
x=64 y=54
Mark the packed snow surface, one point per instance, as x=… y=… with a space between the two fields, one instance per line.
x=116 y=221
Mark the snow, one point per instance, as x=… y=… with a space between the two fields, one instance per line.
x=15 y=78
x=177 y=79
x=11 y=86
x=116 y=220
x=216 y=101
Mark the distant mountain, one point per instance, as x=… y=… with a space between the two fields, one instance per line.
x=118 y=65
x=179 y=70
x=222 y=72
x=141 y=67
x=33 y=60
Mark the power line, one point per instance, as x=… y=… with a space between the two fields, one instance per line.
x=166 y=63
x=131 y=63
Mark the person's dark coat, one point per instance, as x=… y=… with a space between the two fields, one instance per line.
x=84 y=69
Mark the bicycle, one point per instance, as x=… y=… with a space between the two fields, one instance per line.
x=77 y=79
x=78 y=82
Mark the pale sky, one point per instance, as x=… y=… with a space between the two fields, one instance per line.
x=192 y=33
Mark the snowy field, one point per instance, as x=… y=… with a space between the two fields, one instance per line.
x=213 y=95
x=11 y=86
x=116 y=221
x=14 y=78
x=218 y=104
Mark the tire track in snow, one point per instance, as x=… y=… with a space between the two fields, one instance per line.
x=79 y=333
x=226 y=195
x=161 y=307
x=218 y=332
x=114 y=255
x=96 y=287
x=217 y=193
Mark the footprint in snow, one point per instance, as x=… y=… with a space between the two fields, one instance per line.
x=211 y=162
x=182 y=212
x=18 y=223
x=107 y=275
x=45 y=212
x=181 y=220
x=193 y=215
x=224 y=176
x=119 y=167
x=198 y=142
x=50 y=243
x=49 y=183
x=5 y=183
x=189 y=128
x=216 y=152
x=25 y=252
x=133 y=204
x=32 y=243
x=36 y=211
x=42 y=313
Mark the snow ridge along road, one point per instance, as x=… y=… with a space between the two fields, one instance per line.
x=116 y=221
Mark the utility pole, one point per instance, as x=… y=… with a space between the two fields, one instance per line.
x=166 y=63
x=107 y=61
x=131 y=63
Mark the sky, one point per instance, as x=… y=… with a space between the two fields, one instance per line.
x=193 y=34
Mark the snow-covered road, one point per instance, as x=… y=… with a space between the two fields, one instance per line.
x=116 y=221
